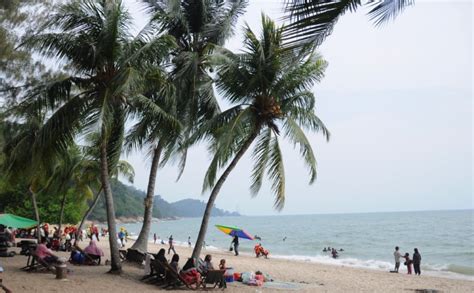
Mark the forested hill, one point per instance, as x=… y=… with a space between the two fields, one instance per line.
x=128 y=203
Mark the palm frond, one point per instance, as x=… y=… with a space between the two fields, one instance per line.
x=276 y=173
x=260 y=156
x=311 y=21
x=383 y=11
x=298 y=138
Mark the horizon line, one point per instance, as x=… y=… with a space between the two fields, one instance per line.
x=351 y=213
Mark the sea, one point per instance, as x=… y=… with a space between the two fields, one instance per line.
x=445 y=239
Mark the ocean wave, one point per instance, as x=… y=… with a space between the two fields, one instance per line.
x=447 y=270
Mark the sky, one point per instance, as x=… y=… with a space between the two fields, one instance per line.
x=397 y=100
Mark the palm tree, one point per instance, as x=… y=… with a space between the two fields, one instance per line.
x=70 y=175
x=311 y=21
x=186 y=93
x=198 y=27
x=269 y=86
x=161 y=138
x=107 y=66
x=24 y=163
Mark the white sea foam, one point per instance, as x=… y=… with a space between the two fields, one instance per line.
x=433 y=270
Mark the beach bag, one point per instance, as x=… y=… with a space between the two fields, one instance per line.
x=231 y=248
x=229 y=275
x=78 y=258
x=237 y=277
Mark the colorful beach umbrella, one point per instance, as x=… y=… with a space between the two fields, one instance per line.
x=10 y=220
x=234 y=231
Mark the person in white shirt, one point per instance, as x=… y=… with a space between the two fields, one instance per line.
x=397 y=256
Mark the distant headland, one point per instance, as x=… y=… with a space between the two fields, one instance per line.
x=129 y=206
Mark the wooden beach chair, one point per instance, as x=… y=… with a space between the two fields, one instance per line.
x=158 y=272
x=173 y=278
x=136 y=256
x=36 y=264
x=213 y=277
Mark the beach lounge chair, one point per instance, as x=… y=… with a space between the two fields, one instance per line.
x=213 y=277
x=135 y=256
x=36 y=264
x=173 y=279
x=157 y=273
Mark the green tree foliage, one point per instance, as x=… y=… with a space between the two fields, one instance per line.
x=108 y=67
x=311 y=21
x=269 y=88
x=18 y=67
x=18 y=201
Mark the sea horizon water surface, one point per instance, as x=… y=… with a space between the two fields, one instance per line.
x=445 y=239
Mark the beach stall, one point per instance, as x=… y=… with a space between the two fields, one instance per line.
x=10 y=220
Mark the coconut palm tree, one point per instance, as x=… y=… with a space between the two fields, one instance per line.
x=23 y=163
x=162 y=140
x=269 y=87
x=198 y=27
x=311 y=21
x=186 y=92
x=106 y=69
x=70 y=175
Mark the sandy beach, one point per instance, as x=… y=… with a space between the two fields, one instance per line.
x=299 y=275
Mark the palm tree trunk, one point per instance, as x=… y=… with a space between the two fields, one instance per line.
x=142 y=242
x=61 y=213
x=215 y=192
x=116 y=265
x=88 y=212
x=35 y=208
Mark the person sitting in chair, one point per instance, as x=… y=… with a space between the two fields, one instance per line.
x=190 y=274
x=45 y=254
x=160 y=256
x=93 y=251
x=206 y=265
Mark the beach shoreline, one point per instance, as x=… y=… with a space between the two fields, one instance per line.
x=303 y=276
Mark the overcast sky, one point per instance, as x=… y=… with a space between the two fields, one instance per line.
x=398 y=102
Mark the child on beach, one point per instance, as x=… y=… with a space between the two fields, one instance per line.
x=222 y=265
x=408 y=263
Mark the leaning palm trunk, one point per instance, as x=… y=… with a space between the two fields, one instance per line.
x=215 y=192
x=35 y=207
x=88 y=213
x=116 y=265
x=61 y=213
x=142 y=242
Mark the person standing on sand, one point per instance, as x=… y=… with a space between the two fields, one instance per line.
x=235 y=242
x=170 y=242
x=417 y=262
x=154 y=238
x=408 y=263
x=397 y=255
x=189 y=241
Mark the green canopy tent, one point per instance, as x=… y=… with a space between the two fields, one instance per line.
x=9 y=220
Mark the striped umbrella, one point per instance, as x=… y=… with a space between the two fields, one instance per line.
x=234 y=231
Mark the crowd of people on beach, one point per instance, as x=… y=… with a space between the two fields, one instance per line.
x=194 y=273
x=410 y=263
